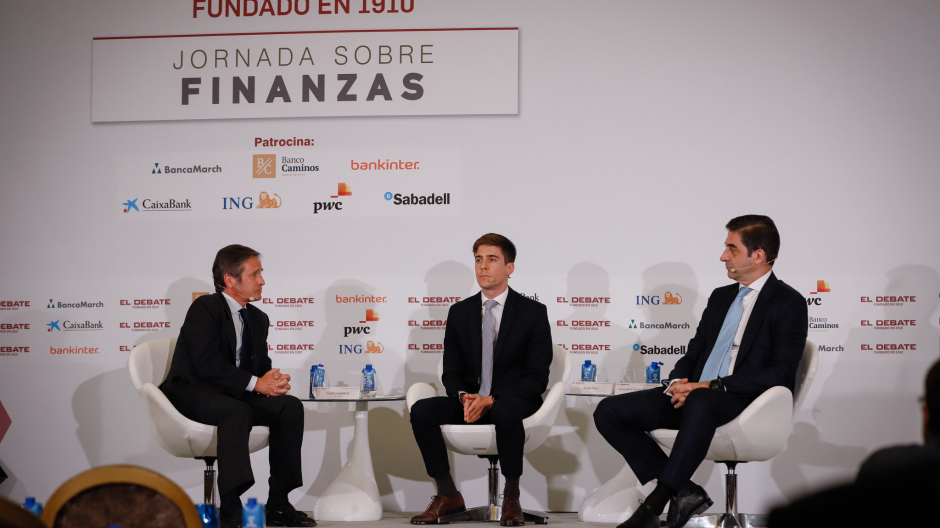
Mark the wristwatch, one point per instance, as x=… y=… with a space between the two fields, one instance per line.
x=716 y=384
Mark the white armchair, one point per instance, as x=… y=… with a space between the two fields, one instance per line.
x=179 y=436
x=480 y=440
x=759 y=433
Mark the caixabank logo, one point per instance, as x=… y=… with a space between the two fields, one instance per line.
x=890 y=300
x=433 y=302
x=144 y=304
x=889 y=324
x=668 y=325
x=291 y=348
x=583 y=301
x=293 y=325
x=889 y=348
x=287 y=302
x=74 y=326
x=13 y=351
x=583 y=348
x=13 y=306
x=13 y=328
x=150 y=205
x=658 y=350
x=144 y=326
x=582 y=324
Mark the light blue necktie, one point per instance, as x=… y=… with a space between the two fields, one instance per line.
x=718 y=360
x=489 y=327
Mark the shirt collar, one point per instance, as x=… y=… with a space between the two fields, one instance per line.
x=759 y=283
x=232 y=303
x=501 y=298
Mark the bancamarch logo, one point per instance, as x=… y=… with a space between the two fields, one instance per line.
x=890 y=324
x=672 y=349
x=184 y=170
x=291 y=348
x=890 y=348
x=658 y=326
x=575 y=324
x=149 y=205
x=372 y=347
x=145 y=326
x=293 y=325
x=411 y=199
x=81 y=304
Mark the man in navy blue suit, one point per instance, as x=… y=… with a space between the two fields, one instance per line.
x=751 y=338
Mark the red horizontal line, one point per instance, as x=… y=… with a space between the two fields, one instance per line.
x=307 y=32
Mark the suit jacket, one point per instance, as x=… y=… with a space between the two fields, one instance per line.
x=205 y=350
x=522 y=354
x=772 y=345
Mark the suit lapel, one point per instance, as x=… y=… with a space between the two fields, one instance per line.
x=756 y=317
x=229 y=329
x=476 y=334
x=509 y=312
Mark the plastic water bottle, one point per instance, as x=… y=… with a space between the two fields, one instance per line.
x=253 y=514
x=209 y=515
x=652 y=372
x=368 y=378
x=316 y=379
x=588 y=371
x=33 y=506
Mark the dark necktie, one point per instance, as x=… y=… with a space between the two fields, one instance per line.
x=246 y=357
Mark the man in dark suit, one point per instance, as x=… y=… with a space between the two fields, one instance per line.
x=221 y=375
x=751 y=338
x=497 y=354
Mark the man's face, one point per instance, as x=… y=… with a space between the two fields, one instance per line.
x=492 y=270
x=250 y=282
x=735 y=257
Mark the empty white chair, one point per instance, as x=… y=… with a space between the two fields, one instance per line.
x=179 y=436
x=759 y=433
x=480 y=440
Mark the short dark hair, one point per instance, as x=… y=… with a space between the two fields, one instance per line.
x=503 y=243
x=932 y=398
x=230 y=260
x=757 y=232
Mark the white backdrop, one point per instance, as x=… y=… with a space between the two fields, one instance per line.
x=642 y=128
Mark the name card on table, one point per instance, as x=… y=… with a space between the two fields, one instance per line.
x=596 y=388
x=623 y=388
x=338 y=393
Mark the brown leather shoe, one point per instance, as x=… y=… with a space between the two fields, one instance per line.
x=439 y=507
x=512 y=512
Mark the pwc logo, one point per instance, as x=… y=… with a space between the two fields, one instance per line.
x=145 y=304
x=371 y=317
x=821 y=287
x=343 y=190
x=262 y=165
x=292 y=325
x=667 y=299
x=889 y=348
x=145 y=326
x=576 y=324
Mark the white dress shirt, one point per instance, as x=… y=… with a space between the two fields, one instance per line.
x=497 y=310
x=239 y=330
x=749 y=300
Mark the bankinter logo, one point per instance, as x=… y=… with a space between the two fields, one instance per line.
x=266 y=202
x=263 y=165
x=344 y=190
x=821 y=287
x=371 y=315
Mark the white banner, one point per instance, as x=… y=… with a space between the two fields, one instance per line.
x=305 y=74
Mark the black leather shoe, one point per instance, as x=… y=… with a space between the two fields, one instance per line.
x=691 y=501
x=643 y=517
x=230 y=519
x=287 y=517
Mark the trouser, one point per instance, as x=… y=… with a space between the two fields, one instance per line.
x=234 y=417
x=428 y=415
x=624 y=421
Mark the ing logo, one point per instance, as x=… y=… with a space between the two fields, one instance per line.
x=344 y=190
x=371 y=316
x=669 y=298
x=263 y=166
x=266 y=202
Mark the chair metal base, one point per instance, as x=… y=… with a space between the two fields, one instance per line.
x=491 y=513
x=208 y=480
x=726 y=520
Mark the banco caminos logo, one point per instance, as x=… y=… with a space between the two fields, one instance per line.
x=371 y=315
x=197 y=295
x=891 y=300
x=889 y=348
x=821 y=287
x=263 y=165
x=13 y=351
x=131 y=204
x=54 y=325
x=13 y=305
x=266 y=202
x=577 y=324
x=583 y=302
x=412 y=199
x=156 y=169
x=343 y=190
x=671 y=349
x=13 y=328
x=889 y=324
x=821 y=324
x=296 y=166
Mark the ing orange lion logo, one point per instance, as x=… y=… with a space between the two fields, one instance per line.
x=266 y=202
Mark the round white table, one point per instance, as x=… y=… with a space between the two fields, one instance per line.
x=353 y=495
